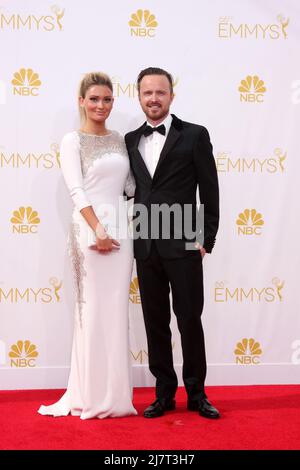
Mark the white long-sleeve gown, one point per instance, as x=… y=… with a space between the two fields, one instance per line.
x=96 y=171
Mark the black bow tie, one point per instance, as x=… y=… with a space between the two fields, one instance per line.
x=149 y=130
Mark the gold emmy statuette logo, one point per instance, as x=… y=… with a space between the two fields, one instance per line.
x=281 y=157
x=249 y=222
x=142 y=24
x=59 y=13
x=247 y=352
x=23 y=354
x=175 y=83
x=279 y=286
x=26 y=83
x=252 y=89
x=135 y=291
x=283 y=23
x=57 y=285
x=25 y=223
x=55 y=149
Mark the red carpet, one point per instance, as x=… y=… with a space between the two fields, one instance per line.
x=253 y=417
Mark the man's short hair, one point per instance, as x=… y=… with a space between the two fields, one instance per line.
x=154 y=71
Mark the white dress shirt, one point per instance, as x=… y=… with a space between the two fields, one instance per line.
x=150 y=147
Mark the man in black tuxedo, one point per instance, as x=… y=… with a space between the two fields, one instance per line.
x=170 y=158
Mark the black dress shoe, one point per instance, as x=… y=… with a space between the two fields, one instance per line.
x=204 y=407
x=158 y=408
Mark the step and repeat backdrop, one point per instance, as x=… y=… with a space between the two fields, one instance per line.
x=236 y=71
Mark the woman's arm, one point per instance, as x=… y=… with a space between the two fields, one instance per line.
x=72 y=173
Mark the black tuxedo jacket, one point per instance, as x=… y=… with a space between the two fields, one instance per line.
x=186 y=162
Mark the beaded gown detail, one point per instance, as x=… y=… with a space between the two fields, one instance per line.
x=96 y=171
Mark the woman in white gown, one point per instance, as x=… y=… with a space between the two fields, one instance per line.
x=95 y=167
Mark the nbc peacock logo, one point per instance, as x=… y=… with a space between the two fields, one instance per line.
x=26 y=82
x=249 y=222
x=134 y=292
x=25 y=220
x=252 y=89
x=143 y=24
x=248 y=351
x=23 y=354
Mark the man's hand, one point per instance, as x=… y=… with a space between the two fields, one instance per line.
x=201 y=249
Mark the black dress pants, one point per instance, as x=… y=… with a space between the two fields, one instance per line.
x=185 y=277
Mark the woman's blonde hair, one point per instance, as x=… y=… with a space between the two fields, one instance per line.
x=91 y=79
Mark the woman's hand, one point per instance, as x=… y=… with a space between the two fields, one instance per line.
x=106 y=244
x=103 y=241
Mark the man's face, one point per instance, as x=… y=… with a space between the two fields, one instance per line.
x=155 y=97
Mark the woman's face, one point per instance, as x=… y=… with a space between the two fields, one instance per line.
x=98 y=103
